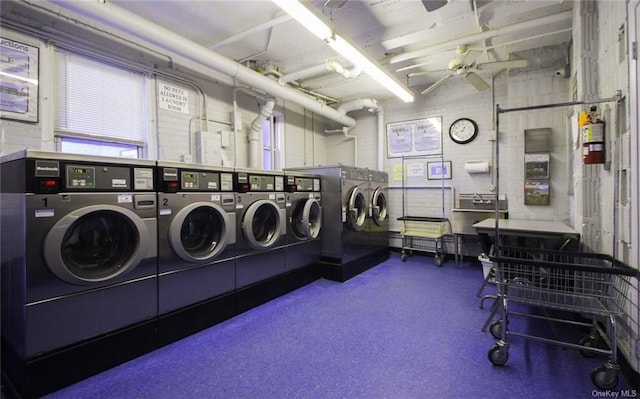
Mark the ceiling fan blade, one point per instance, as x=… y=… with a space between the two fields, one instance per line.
x=497 y=65
x=432 y=5
x=412 y=74
x=335 y=4
x=476 y=81
x=437 y=84
x=470 y=56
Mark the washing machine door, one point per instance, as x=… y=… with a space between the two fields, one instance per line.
x=379 y=206
x=96 y=243
x=199 y=232
x=356 y=209
x=306 y=219
x=263 y=224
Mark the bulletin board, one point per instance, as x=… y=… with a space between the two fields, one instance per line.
x=414 y=137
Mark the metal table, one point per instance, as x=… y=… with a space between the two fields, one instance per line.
x=544 y=234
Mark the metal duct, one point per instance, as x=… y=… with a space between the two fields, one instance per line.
x=151 y=32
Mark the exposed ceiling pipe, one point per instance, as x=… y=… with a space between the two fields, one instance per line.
x=328 y=65
x=354 y=105
x=533 y=23
x=133 y=24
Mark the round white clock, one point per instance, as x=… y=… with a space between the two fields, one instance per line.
x=463 y=130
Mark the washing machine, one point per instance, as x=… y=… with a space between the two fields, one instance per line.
x=260 y=226
x=79 y=245
x=346 y=248
x=196 y=234
x=378 y=217
x=304 y=220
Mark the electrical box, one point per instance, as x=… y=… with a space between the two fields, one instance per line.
x=208 y=150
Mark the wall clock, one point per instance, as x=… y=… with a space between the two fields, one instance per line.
x=463 y=131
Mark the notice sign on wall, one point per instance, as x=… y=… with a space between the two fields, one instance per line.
x=18 y=81
x=415 y=137
x=173 y=98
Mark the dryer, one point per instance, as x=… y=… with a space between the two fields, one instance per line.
x=260 y=226
x=196 y=236
x=304 y=220
x=346 y=248
x=79 y=244
x=378 y=217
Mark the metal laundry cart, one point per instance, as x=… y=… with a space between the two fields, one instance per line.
x=425 y=234
x=595 y=286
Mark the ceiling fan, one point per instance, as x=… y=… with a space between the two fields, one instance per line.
x=464 y=64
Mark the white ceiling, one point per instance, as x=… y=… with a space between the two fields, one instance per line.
x=259 y=35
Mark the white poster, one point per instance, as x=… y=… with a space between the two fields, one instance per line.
x=18 y=81
x=173 y=98
x=416 y=137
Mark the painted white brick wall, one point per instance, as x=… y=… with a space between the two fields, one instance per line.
x=612 y=76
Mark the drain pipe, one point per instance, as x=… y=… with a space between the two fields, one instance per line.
x=371 y=105
x=128 y=22
x=345 y=132
x=255 y=132
x=381 y=136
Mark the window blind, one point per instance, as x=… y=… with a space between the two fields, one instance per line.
x=98 y=99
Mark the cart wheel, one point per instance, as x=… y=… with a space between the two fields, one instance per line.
x=496 y=329
x=589 y=342
x=439 y=259
x=604 y=377
x=498 y=355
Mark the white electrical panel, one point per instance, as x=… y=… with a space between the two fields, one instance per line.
x=208 y=150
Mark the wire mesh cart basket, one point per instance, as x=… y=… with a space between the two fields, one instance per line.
x=595 y=286
x=424 y=233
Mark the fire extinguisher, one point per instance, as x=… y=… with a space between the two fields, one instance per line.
x=592 y=140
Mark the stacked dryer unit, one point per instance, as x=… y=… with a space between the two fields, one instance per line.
x=304 y=220
x=196 y=237
x=79 y=266
x=378 y=217
x=346 y=250
x=260 y=236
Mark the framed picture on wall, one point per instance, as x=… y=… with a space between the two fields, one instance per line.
x=439 y=170
x=536 y=166
x=536 y=192
x=18 y=81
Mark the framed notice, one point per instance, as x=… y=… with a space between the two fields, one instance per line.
x=18 y=81
x=439 y=170
x=414 y=137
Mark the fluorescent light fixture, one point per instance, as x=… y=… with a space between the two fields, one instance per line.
x=318 y=27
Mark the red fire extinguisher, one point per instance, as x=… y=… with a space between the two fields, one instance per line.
x=593 y=141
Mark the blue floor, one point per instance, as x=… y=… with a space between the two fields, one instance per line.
x=400 y=330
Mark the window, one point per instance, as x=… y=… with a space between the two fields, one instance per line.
x=75 y=145
x=271 y=144
x=99 y=108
